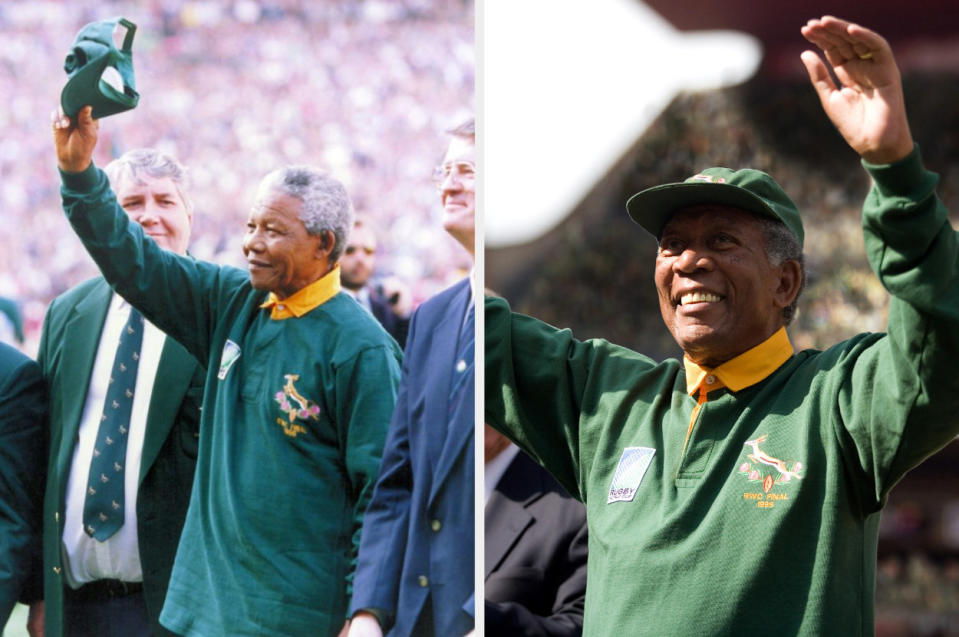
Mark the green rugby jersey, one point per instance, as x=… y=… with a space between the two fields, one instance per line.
x=761 y=517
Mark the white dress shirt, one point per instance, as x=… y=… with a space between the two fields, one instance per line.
x=118 y=557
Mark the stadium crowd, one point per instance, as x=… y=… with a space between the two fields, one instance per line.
x=365 y=89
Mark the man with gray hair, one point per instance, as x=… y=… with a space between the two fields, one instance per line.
x=300 y=386
x=117 y=580
x=415 y=572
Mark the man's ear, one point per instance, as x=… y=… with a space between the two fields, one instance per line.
x=790 y=282
x=326 y=244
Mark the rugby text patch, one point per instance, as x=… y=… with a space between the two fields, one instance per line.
x=629 y=473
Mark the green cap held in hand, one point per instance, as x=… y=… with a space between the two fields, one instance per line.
x=90 y=64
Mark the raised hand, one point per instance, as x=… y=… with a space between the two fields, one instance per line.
x=867 y=105
x=75 y=141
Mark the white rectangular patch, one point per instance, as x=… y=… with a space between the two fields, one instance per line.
x=629 y=473
x=231 y=352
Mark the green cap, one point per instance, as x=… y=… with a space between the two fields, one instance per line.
x=747 y=189
x=92 y=53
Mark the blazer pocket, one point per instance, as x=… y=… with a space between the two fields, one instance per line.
x=522 y=584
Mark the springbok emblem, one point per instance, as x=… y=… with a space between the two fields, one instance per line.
x=760 y=456
x=300 y=407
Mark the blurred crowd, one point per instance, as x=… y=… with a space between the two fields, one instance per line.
x=917 y=596
x=365 y=89
x=917 y=578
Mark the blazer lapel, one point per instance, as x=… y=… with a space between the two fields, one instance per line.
x=506 y=520
x=506 y=514
x=81 y=338
x=459 y=423
x=173 y=377
x=443 y=327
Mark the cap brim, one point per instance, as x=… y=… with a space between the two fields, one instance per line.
x=653 y=207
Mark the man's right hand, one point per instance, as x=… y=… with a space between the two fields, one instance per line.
x=75 y=140
x=364 y=624
x=35 y=620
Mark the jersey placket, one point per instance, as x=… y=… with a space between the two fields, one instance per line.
x=688 y=466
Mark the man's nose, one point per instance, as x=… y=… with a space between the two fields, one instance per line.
x=252 y=242
x=453 y=182
x=148 y=215
x=693 y=259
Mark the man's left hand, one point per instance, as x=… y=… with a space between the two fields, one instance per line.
x=867 y=106
x=364 y=625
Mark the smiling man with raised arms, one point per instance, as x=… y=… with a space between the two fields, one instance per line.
x=739 y=489
x=299 y=390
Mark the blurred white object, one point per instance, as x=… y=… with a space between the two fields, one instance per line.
x=567 y=88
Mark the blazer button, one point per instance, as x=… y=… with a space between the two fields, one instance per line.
x=436 y=525
x=56 y=516
x=56 y=569
x=423 y=581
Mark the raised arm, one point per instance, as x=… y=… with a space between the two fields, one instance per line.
x=899 y=404
x=180 y=295
x=867 y=104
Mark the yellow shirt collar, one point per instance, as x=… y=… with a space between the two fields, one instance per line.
x=309 y=298
x=745 y=370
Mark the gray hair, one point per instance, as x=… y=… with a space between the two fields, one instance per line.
x=781 y=246
x=153 y=163
x=326 y=205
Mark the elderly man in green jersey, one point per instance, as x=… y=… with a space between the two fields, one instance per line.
x=299 y=392
x=738 y=491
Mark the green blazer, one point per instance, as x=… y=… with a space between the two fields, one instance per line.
x=23 y=411
x=68 y=347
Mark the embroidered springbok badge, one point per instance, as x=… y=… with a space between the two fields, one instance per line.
x=756 y=469
x=296 y=406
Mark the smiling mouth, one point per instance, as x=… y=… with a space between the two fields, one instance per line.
x=699 y=297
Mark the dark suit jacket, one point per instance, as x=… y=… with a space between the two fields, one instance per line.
x=11 y=310
x=417 y=539
x=394 y=325
x=23 y=412
x=68 y=347
x=535 y=555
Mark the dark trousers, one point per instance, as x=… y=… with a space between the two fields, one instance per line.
x=424 y=623
x=103 y=610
